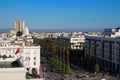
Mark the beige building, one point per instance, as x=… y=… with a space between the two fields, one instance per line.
x=19 y=26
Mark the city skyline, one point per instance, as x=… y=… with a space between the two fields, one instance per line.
x=61 y=14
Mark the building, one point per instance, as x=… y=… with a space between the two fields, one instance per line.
x=11 y=69
x=104 y=49
x=26 y=31
x=112 y=32
x=19 y=26
x=77 y=42
x=28 y=55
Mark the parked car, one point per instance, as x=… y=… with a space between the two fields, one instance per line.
x=52 y=69
x=85 y=75
x=44 y=69
x=92 y=75
x=79 y=76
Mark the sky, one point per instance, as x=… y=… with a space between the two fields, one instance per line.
x=61 y=14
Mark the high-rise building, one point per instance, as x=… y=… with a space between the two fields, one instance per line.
x=19 y=26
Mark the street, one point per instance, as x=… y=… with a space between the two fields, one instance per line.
x=48 y=72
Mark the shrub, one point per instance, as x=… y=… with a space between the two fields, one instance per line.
x=4 y=56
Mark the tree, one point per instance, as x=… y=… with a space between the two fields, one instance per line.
x=67 y=69
x=97 y=69
x=85 y=47
x=52 y=61
x=60 y=65
x=90 y=52
x=57 y=64
x=4 y=56
x=96 y=52
x=63 y=67
x=60 y=59
x=67 y=51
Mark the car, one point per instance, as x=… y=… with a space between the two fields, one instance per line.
x=115 y=74
x=92 y=75
x=79 y=76
x=85 y=75
x=44 y=69
x=52 y=69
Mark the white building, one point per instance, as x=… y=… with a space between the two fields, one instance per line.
x=28 y=55
x=8 y=72
x=12 y=74
x=77 y=42
x=12 y=69
x=26 y=31
x=112 y=32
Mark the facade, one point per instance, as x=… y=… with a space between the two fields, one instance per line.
x=28 y=55
x=107 y=51
x=11 y=69
x=112 y=32
x=77 y=43
x=26 y=31
x=104 y=50
x=19 y=26
x=12 y=73
x=19 y=57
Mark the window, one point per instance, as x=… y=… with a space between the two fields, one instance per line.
x=113 y=58
x=34 y=63
x=117 y=59
x=113 y=53
x=113 y=47
x=34 y=58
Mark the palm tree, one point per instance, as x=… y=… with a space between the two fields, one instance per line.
x=67 y=52
x=90 y=52
x=96 y=51
x=85 y=48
